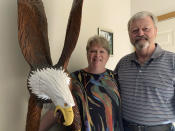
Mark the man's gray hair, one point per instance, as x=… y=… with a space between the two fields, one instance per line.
x=142 y=14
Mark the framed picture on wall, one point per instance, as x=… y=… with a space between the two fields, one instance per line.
x=109 y=36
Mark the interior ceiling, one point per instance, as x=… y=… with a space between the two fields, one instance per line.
x=158 y=7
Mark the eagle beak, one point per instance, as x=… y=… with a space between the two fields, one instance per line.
x=67 y=114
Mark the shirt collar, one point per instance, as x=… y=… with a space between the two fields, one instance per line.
x=157 y=52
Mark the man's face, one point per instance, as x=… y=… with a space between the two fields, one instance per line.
x=142 y=32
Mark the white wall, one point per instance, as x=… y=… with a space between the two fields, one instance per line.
x=158 y=7
x=13 y=71
x=109 y=14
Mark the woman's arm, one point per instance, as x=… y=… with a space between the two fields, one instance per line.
x=47 y=121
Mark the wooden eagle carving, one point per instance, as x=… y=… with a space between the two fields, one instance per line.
x=34 y=44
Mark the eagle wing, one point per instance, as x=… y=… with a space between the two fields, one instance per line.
x=72 y=33
x=34 y=44
x=33 y=33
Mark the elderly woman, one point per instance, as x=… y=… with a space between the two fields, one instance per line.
x=96 y=91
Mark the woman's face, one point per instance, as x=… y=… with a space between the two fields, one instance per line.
x=97 y=56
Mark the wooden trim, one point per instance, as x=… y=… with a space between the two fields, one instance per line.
x=166 y=16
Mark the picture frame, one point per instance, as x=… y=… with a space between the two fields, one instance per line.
x=109 y=36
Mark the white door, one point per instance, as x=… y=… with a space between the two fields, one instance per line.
x=166 y=34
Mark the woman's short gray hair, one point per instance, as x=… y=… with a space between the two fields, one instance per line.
x=98 y=40
x=142 y=14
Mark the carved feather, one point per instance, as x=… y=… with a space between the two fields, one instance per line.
x=50 y=83
x=72 y=33
x=32 y=32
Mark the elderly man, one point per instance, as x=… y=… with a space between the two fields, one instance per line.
x=146 y=79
